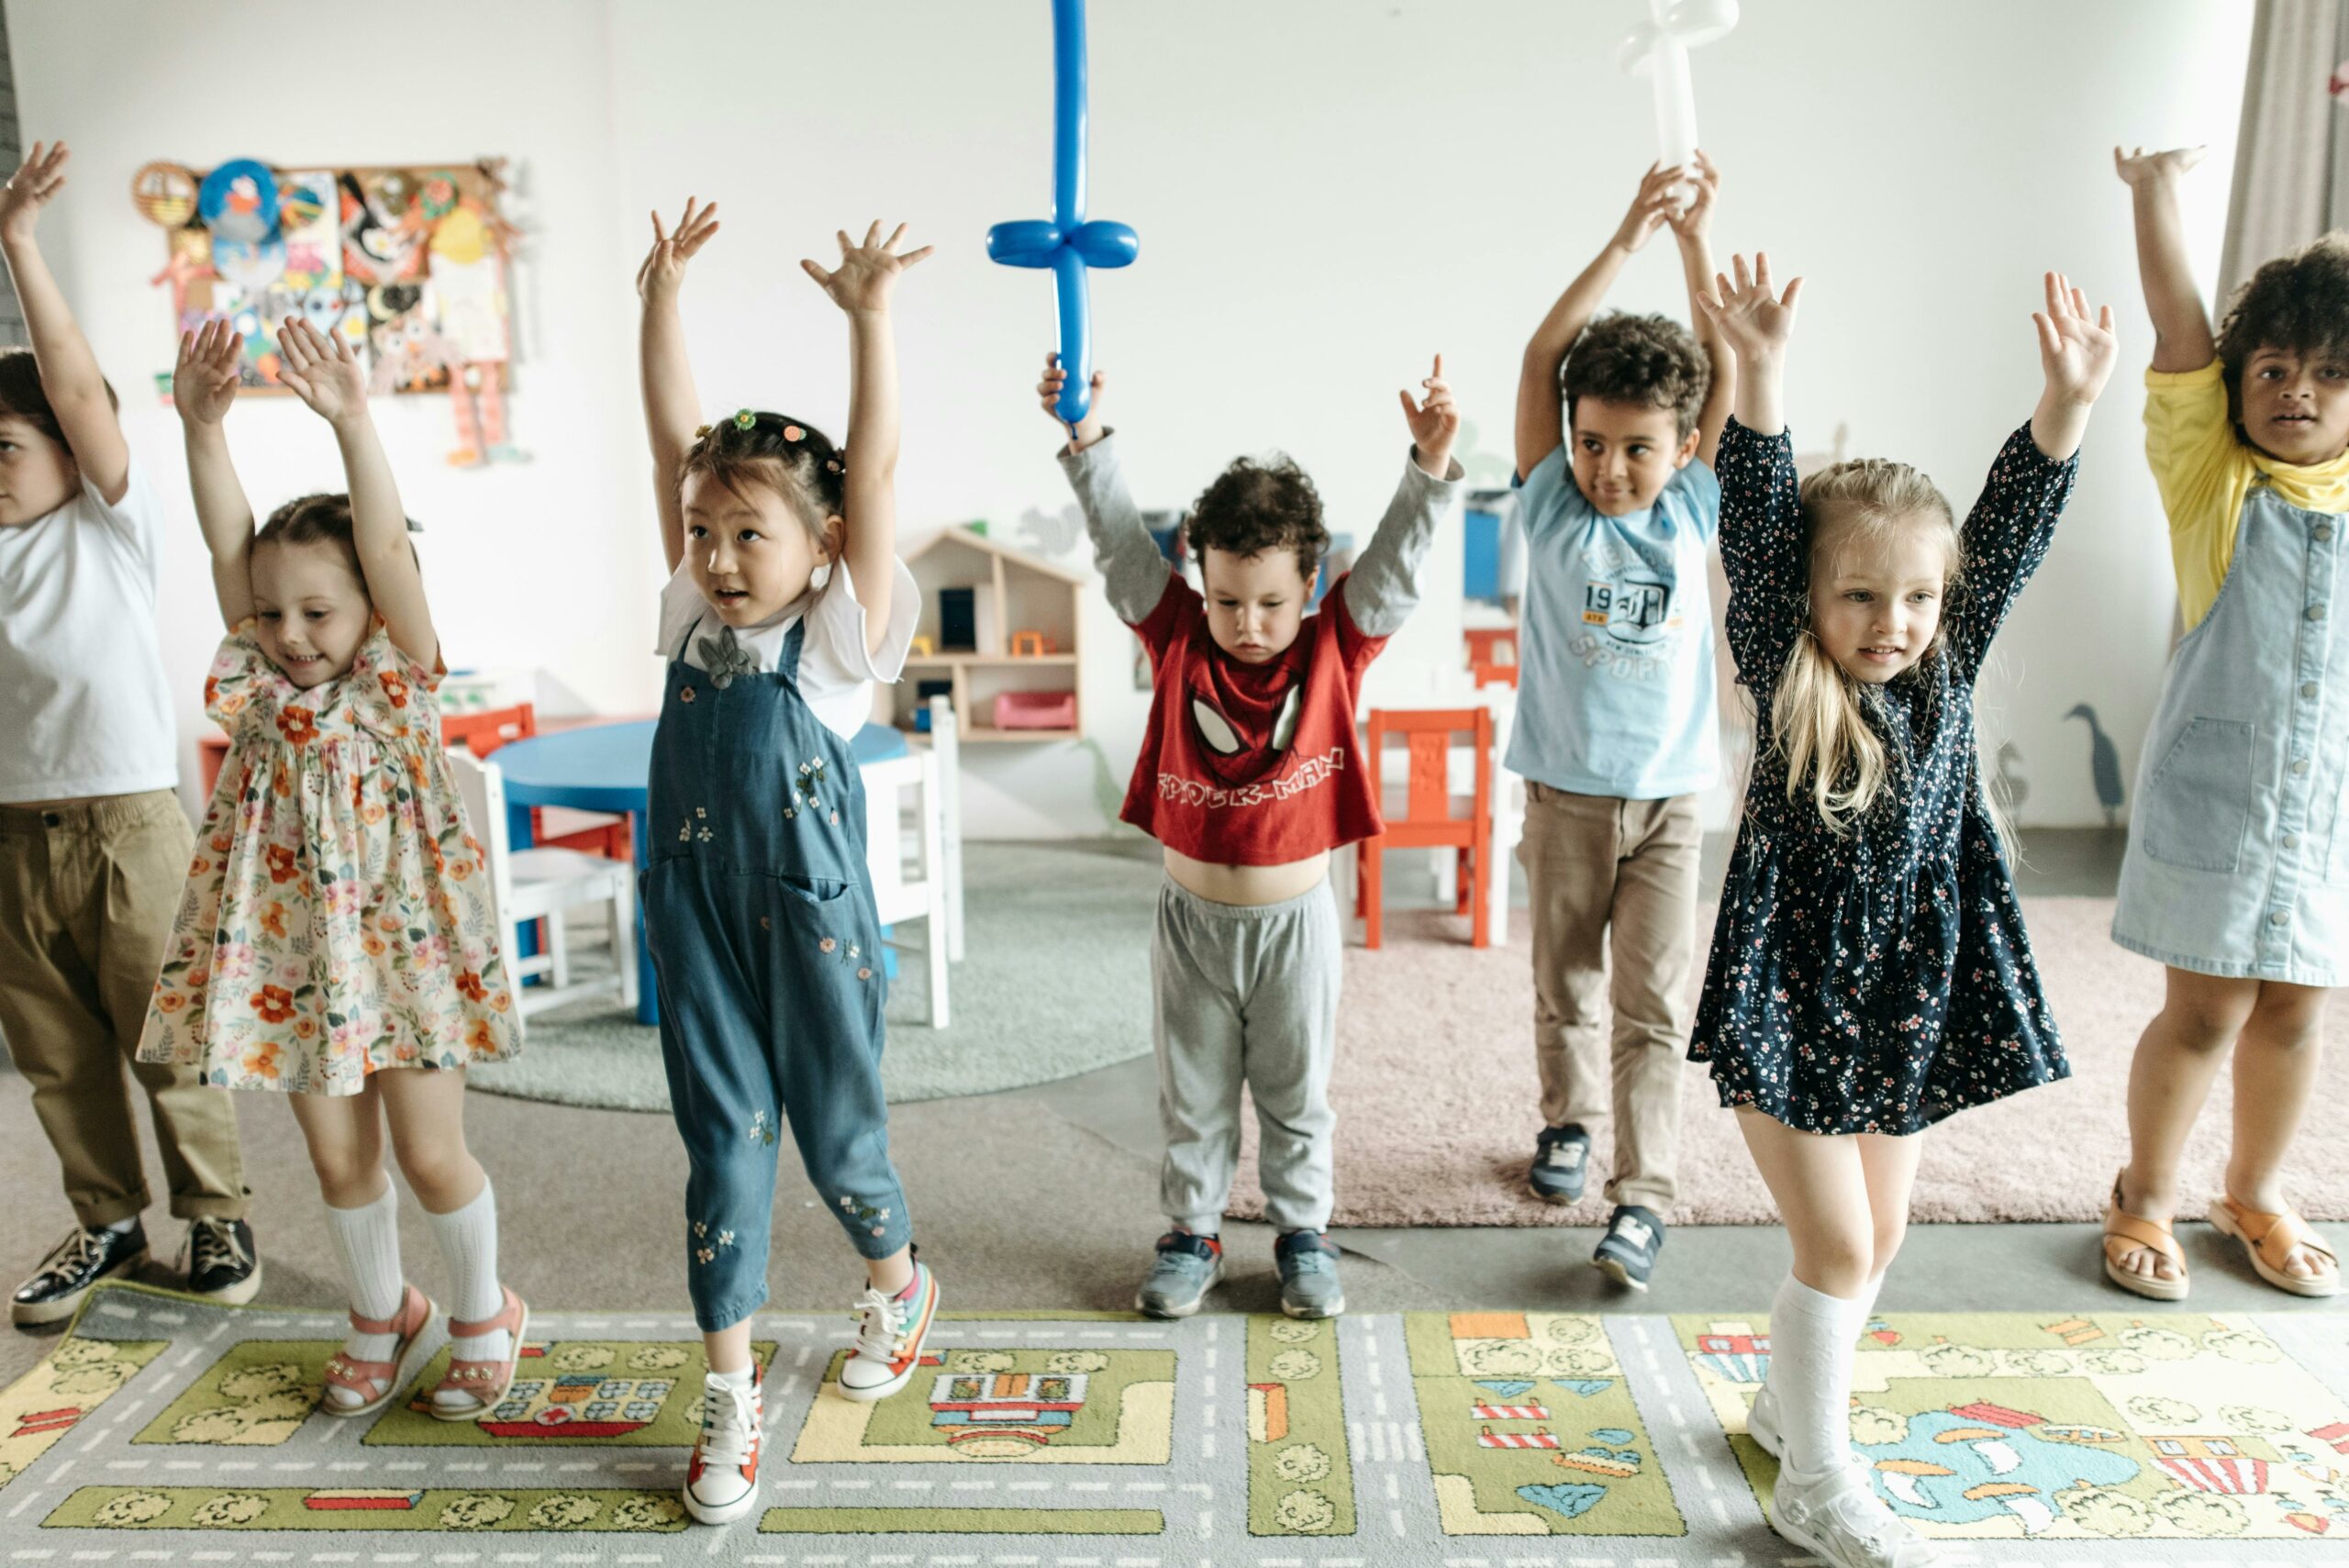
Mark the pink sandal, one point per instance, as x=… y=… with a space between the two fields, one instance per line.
x=375 y=1382
x=484 y=1382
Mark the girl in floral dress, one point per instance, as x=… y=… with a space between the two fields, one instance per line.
x=337 y=924
x=1870 y=973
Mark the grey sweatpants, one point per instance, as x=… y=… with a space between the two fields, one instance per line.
x=1246 y=995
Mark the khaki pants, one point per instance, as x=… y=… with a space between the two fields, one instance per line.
x=1620 y=874
x=87 y=893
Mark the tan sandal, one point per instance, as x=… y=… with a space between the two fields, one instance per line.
x=2125 y=1232
x=375 y=1382
x=2266 y=1237
x=483 y=1383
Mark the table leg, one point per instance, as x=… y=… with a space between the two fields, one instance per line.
x=519 y=837
x=647 y=995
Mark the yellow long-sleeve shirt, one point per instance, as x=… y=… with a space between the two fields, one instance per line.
x=2205 y=469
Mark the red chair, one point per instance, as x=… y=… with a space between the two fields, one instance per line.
x=1427 y=821
x=483 y=732
x=1492 y=654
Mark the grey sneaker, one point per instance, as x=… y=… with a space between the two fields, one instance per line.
x=1837 y=1519
x=1308 y=1266
x=1561 y=1163
x=1187 y=1268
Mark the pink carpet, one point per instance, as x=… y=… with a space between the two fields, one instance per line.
x=1436 y=1111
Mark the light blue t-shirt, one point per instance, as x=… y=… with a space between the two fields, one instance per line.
x=1615 y=653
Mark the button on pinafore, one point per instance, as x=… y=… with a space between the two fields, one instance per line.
x=766 y=950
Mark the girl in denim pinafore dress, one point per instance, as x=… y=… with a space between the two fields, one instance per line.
x=766 y=949
x=2237 y=872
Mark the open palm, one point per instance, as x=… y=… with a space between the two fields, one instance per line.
x=321 y=371
x=1756 y=318
x=2076 y=350
x=867 y=271
x=204 y=381
x=39 y=177
x=664 y=265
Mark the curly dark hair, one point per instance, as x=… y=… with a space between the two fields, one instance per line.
x=789 y=457
x=1648 y=360
x=21 y=393
x=2299 y=301
x=1261 y=504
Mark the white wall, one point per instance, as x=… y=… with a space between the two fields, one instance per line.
x=1327 y=193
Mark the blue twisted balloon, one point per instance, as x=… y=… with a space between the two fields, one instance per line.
x=1065 y=242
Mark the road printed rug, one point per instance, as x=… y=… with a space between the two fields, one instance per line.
x=160 y=1430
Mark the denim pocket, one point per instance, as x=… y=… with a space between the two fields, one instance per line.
x=2198 y=803
x=816 y=890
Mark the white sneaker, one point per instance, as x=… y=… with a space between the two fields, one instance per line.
x=1837 y=1519
x=889 y=1335
x=1762 y=1423
x=722 y=1477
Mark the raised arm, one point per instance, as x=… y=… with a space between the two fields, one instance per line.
x=324 y=373
x=70 y=377
x=1540 y=404
x=1765 y=546
x=2182 y=339
x=1135 y=573
x=672 y=410
x=1384 y=586
x=203 y=383
x=1692 y=228
x=860 y=286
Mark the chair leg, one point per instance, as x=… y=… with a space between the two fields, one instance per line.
x=934 y=940
x=558 y=950
x=623 y=935
x=1476 y=866
x=1462 y=871
x=1371 y=891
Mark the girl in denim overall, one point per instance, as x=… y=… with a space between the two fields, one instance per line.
x=2237 y=873
x=785 y=603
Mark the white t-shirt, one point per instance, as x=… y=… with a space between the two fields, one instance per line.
x=836 y=671
x=82 y=699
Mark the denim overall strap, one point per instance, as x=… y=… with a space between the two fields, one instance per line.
x=766 y=951
x=2238 y=860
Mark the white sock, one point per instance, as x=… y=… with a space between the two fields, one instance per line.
x=468 y=1238
x=741 y=1379
x=1812 y=1337
x=367 y=1238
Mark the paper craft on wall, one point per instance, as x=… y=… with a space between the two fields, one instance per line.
x=406 y=265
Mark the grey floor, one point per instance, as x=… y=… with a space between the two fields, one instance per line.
x=1045 y=1197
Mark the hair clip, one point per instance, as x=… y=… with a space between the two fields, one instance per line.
x=793 y=433
x=744 y=420
x=701 y=432
x=831 y=465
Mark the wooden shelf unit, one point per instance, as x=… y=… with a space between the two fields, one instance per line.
x=1020 y=594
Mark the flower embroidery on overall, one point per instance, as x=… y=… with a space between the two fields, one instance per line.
x=761 y=1128
x=725 y=658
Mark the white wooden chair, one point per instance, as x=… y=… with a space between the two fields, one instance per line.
x=540 y=884
x=914 y=875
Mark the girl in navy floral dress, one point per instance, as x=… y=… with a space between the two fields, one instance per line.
x=1870 y=973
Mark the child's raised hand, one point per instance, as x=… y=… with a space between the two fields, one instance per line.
x=1756 y=318
x=1695 y=220
x=203 y=383
x=1048 y=391
x=867 y=271
x=1435 y=421
x=664 y=264
x=321 y=371
x=40 y=176
x=2076 y=350
x=2138 y=167
x=1651 y=207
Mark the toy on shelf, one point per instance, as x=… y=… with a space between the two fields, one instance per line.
x=1035 y=710
x=1031 y=645
x=923 y=692
x=408 y=265
x=923 y=647
x=1065 y=242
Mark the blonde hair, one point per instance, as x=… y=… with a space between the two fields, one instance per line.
x=1819 y=715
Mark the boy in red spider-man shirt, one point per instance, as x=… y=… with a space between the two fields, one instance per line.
x=1250 y=774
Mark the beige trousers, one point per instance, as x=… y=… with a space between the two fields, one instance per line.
x=1620 y=876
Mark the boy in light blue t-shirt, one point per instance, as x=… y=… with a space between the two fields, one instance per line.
x=1614 y=733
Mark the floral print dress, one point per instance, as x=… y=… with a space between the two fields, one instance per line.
x=1878 y=982
x=337 y=920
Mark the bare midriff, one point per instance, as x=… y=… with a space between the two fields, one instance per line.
x=1247 y=886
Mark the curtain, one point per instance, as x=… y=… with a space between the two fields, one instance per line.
x=2291 y=178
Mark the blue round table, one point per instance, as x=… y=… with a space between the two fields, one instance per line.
x=605 y=767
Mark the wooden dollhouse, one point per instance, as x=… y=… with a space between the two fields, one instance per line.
x=999 y=637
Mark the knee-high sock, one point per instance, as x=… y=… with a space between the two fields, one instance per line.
x=1812 y=1337
x=367 y=1241
x=468 y=1238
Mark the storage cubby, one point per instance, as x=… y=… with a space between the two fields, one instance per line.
x=1011 y=594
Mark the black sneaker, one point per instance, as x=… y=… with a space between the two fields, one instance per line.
x=221 y=1263
x=1561 y=1160
x=76 y=1263
x=1627 y=1253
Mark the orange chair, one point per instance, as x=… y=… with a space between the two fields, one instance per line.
x=1427 y=821
x=483 y=732
x=1492 y=654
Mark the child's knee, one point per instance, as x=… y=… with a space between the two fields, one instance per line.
x=2207 y=1018
x=1888 y=1237
x=1839 y=1265
x=442 y=1172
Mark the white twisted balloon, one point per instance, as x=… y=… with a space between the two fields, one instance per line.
x=1658 y=48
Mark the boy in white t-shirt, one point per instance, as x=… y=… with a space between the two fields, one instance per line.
x=93 y=846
